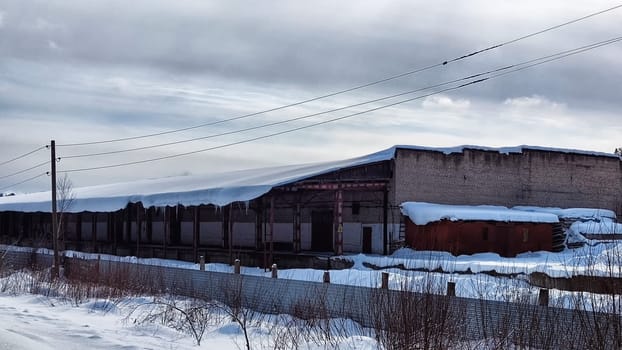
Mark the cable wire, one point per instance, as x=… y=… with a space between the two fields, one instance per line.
x=344 y=107
x=25 y=170
x=23 y=155
x=358 y=87
x=24 y=181
x=584 y=49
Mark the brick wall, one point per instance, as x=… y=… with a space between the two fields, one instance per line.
x=533 y=177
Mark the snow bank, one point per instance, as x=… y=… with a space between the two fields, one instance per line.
x=422 y=213
x=594 y=227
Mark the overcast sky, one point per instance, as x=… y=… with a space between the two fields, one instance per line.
x=86 y=70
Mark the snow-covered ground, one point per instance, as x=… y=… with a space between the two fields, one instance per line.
x=601 y=259
x=37 y=322
x=30 y=322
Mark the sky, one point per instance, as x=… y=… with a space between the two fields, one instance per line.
x=81 y=71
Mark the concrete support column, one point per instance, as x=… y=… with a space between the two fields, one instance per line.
x=339 y=222
x=297 y=229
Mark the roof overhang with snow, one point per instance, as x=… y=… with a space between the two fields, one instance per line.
x=216 y=189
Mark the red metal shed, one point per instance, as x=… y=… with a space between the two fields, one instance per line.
x=477 y=229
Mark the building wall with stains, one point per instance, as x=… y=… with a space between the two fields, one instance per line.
x=532 y=177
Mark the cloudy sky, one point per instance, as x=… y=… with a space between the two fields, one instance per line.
x=86 y=70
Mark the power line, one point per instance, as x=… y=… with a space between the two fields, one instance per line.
x=23 y=155
x=25 y=170
x=358 y=87
x=24 y=181
x=539 y=62
x=281 y=121
x=340 y=108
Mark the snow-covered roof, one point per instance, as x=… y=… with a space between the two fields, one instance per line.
x=572 y=213
x=422 y=213
x=221 y=188
x=507 y=150
x=217 y=189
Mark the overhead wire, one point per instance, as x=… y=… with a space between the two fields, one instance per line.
x=25 y=170
x=23 y=155
x=277 y=122
x=535 y=62
x=340 y=108
x=358 y=87
x=24 y=181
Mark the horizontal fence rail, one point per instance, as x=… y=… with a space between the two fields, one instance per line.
x=378 y=308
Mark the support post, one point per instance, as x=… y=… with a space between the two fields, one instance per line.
x=339 y=223
x=230 y=233
x=167 y=229
x=275 y=272
x=139 y=227
x=271 y=236
x=385 y=281
x=543 y=297
x=385 y=221
x=236 y=266
x=451 y=289
x=326 y=277
x=94 y=231
x=202 y=263
x=196 y=227
x=225 y=226
x=259 y=227
x=297 y=234
x=55 y=268
x=79 y=229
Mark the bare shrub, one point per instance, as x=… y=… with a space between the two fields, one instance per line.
x=404 y=319
x=189 y=316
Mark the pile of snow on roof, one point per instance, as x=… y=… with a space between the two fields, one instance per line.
x=574 y=213
x=422 y=213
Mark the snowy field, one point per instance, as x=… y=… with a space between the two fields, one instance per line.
x=30 y=322
x=404 y=268
x=37 y=322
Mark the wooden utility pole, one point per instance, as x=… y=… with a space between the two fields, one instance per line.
x=56 y=266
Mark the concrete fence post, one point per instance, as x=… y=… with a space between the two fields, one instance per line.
x=202 y=262
x=451 y=289
x=274 y=271
x=326 y=277
x=385 y=280
x=543 y=297
x=236 y=266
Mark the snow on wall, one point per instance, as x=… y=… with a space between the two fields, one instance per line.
x=423 y=213
x=572 y=213
x=221 y=188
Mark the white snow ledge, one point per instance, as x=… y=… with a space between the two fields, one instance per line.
x=422 y=213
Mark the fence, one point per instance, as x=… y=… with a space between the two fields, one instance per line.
x=382 y=309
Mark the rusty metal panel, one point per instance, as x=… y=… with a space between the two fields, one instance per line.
x=469 y=237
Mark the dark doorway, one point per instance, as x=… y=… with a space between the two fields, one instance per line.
x=322 y=231
x=367 y=240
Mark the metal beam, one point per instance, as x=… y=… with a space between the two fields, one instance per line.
x=332 y=186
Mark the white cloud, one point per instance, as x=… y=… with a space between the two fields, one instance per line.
x=53 y=45
x=445 y=102
x=533 y=102
x=1 y=19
